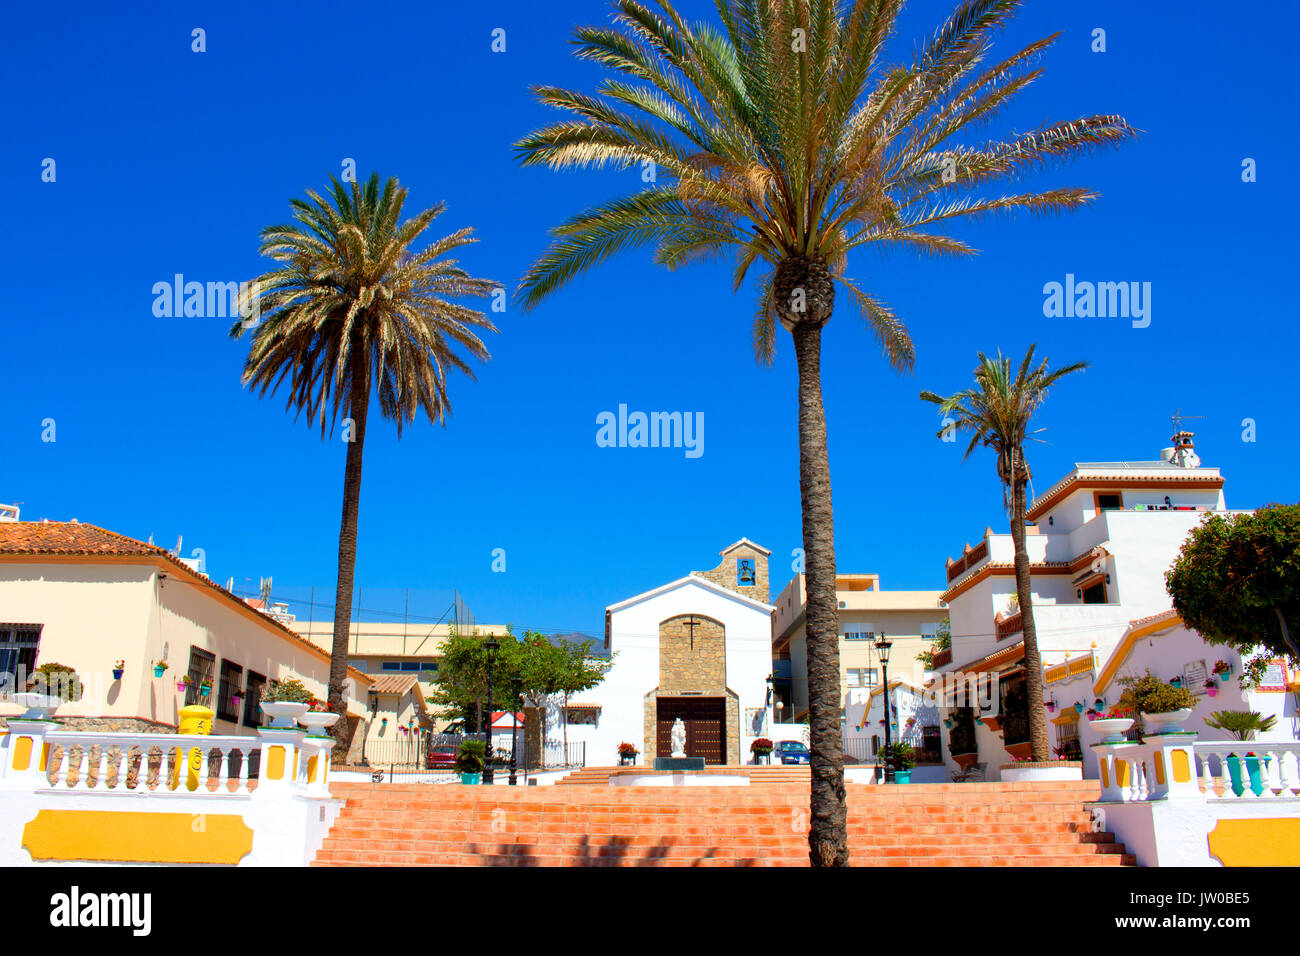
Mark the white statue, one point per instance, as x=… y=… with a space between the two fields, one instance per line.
x=678 y=737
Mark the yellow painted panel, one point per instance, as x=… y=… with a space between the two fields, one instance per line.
x=274 y=763
x=1160 y=768
x=137 y=837
x=1121 y=773
x=1266 y=842
x=1105 y=776
x=22 y=752
x=1182 y=769
x=311 y=769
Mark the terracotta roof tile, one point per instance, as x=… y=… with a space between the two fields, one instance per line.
x=393 y=683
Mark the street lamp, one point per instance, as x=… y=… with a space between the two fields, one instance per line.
x=882 y=651
x=491 y=645
x=516 y=685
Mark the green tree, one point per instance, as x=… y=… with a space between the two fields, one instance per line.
x=997 y=412
x=1236 y=580
x=350 y=309
x=785 y=137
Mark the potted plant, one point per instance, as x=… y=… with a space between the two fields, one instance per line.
x=284 y=701
x=627 y=753
x=1222 y=668
x=1176 y=682
x=118 y=669
x=1163 y=706
x=1211 y=688
x=1112 y=725
x=900 y=758
x=205 y=686
x=470 y=760
x=762 y=750
x=159 y=668
x=237 y=699
x=1243 y=725
x=182 y=683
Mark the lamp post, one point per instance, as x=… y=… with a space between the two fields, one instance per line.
x=491 y=646
x=882 y=651
x=516 y=685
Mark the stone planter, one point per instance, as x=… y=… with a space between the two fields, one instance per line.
x=39 y=706
x=1168 y=723
x=284 y=714
x=1030 y=771
x=316 y=722
x=1113 y=730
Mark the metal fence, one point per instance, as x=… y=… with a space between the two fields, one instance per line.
x=410 y=759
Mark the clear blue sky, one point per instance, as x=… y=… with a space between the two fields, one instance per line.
x=171 y=162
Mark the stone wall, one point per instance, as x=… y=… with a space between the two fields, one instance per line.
x=692 y=660
x=726 y=573
x=124 y=725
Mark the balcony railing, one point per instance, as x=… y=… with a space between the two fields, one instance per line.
x=1010 y=625
x=941 y=658
x=971 y=558
x=151 y=763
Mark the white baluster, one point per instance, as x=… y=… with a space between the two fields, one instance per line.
x=245 y=758
x=1207 y=780
x=1285 y=776
x=120 y=766
x=1135 y=768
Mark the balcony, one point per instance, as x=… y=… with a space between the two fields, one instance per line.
x=967 y=561
x=941 y=658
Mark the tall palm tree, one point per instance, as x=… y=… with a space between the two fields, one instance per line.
x=784 y=136
x=997 y=413
x=352 y=309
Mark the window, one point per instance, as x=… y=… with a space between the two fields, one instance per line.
x=1107 y=502
x=1095 y=593
x=252 y=698
x=862 y=676
x=18 y=646
x=408 y=667
x=202 y=666
x=232 y=678
x=859 y=635
x=580 y=716
x=930 y=631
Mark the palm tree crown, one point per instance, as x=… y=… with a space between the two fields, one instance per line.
x=998 y=410
x=352 y=308
x=785 y=137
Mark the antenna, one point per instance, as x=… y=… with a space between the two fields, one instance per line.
x=177 y=552
x=264 y=585
x=230 y=585
x=1177 y=418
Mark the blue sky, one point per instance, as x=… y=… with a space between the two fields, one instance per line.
x=170 y=161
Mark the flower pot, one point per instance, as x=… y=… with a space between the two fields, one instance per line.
x=1176 y=682
x=1212 y=691
x=471 y=778
x=117 y=673
x=316 y=723
x=284 y=714
x=159 y=671
x=1030 y=771
x=1167 y=723
x=902 y=776
x=39 y=706
x=182 y=685
x=1113 y=730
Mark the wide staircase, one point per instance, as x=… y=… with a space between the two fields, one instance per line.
x=972 y=824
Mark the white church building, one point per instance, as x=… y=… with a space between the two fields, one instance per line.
x=698 y=648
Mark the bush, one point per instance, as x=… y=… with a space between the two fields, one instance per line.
x=469 y=759
x=1242 y=724
x=290 y=690
x=56 y=680
x=1150 y=695
x=898 y=756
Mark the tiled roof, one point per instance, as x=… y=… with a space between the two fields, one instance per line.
x=393 y=683
x=74 y=538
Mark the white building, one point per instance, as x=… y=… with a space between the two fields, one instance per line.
x=698 y=648
x=1102 y=539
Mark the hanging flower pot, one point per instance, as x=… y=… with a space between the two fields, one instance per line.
x=1176 y=682
x=182 y=684
x=118 y=669
x=159 y=668
x=236 y=699
x=947 y=722
x=1078 y=707
x=1211 y=688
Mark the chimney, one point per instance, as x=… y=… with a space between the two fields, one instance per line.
x=1185 y=450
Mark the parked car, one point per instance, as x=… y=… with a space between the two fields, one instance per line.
x=792 y=751
x=441 y=757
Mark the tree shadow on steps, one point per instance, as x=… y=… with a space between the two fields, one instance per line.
x=617 y=851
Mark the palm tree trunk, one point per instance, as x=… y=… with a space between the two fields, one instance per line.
x=358 y=404
x=1039 y=744
x=828 y=833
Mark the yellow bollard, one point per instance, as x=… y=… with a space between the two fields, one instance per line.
x=195 y=719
